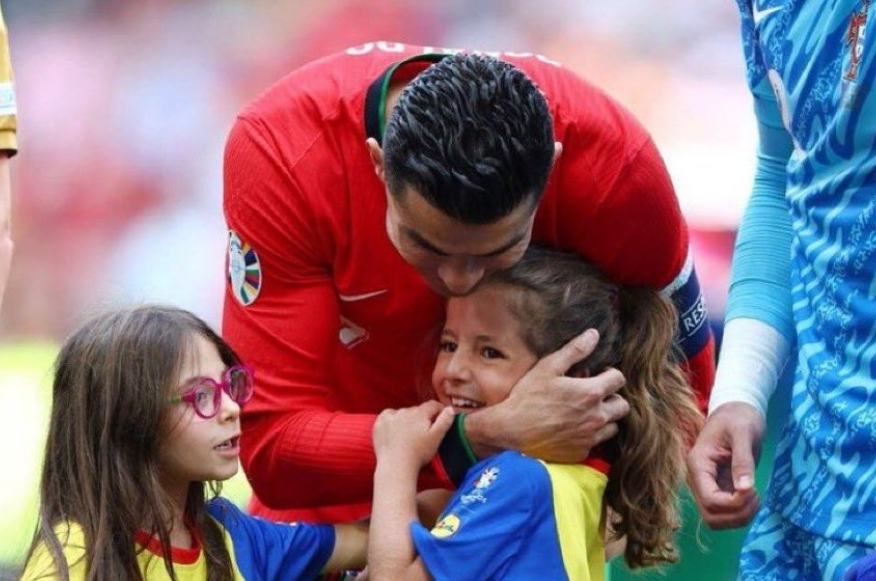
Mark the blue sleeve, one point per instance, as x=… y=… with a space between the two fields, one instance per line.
x=484 y=523
x=269 y=551
x=760 y=280
x=862 y=570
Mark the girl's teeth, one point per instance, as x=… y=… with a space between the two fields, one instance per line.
x=462 y=402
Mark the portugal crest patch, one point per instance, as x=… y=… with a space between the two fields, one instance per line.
x=244 y=270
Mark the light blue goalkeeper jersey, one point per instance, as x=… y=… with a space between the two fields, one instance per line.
x=811 y=69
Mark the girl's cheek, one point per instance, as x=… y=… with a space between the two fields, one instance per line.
x=174 y=422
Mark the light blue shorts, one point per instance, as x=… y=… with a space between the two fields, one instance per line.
x=777 y=550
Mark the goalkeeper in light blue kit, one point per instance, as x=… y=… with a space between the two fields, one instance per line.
x=803 y=284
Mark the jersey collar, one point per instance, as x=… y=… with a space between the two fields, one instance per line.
x=375 y=98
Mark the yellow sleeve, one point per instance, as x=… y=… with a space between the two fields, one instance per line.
x=41 y=566
x=8 y=109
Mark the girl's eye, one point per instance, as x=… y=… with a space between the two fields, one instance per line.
x=447 y=346
x=202 y=395
x=491 y=353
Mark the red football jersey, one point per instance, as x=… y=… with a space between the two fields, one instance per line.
x=336 y=324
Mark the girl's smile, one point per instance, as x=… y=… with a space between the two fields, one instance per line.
x=482 y=353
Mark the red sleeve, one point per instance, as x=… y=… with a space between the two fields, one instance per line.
x=629 y=224
x=653 y=248
x=297 y=451
x=660 y=241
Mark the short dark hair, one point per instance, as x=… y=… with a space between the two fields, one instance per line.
x=473 y=135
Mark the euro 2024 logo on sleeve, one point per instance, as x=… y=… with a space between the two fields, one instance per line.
x=486 y=478
x=244 y=270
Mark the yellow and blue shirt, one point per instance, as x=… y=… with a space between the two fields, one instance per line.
x=260 y=551
x=517 y=518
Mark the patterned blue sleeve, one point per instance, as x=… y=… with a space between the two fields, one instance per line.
x=760 y=285
x=268 y=551
x=862 y=570
x=484 y=523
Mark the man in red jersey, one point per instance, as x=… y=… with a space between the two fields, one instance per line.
x=362 y=189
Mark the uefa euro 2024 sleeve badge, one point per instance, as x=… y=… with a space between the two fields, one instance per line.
x=244 y=270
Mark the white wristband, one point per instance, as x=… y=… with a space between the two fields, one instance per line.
x=753 y=355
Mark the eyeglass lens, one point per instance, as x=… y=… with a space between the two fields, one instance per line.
x=237 y=384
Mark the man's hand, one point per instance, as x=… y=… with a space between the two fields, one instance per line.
x=549 y=415
x=410 y=436
x=721 y=465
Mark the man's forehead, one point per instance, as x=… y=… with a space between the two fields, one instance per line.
x=511 y=240
x=434 y=230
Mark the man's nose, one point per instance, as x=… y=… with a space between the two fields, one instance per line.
x=460 y=275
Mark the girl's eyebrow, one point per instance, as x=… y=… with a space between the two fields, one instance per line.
x=188 y=381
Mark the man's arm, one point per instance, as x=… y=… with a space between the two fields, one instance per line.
x=8 y=148
x=758 y=336
x=652 y=248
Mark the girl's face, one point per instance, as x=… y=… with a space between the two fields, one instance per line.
x=198 y=449
x=482 y=353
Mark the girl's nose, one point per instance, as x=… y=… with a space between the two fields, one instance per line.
x=228 y=408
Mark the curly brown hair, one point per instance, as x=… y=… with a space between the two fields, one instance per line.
x=556 y=296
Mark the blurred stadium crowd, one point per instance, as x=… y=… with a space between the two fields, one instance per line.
x=124 y=107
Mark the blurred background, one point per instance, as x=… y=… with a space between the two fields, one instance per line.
x=124 y=107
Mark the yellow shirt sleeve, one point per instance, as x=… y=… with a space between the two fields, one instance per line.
x=41 y=566
x=8 y=109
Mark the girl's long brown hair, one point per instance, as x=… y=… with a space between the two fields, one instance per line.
x=112 y=382
x=555 y=297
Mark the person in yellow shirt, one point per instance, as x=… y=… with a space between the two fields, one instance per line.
x=145 y=424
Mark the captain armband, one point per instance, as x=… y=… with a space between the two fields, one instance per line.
x=693 y=324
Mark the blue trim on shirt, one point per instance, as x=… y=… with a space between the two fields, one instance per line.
x=269 y=551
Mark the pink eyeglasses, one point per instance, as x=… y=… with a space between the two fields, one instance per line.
x=205 y=394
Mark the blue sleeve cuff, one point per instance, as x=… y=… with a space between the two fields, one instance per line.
x=760 y=286
x=435 y=561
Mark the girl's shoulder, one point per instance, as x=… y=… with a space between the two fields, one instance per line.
x=225 y=511
x=510 y=471
x=41 y=564
x=509 y=460
x=272 y=550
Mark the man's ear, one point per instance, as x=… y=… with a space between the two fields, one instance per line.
x=376 y=155
x=558 y=151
